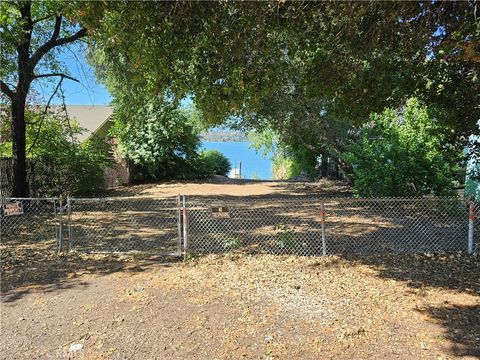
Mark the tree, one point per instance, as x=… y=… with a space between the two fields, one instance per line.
x=400 y=154
x=313 y=71
x=32 y=35
x=158 y=138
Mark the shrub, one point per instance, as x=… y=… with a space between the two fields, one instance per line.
x=286 y=235
x=231 y=243
x=158 y=138
x=213 y=162
x=402 y=155
x=57 y=162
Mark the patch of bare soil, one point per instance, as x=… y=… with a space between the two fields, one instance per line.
x=239 y=306
x=236 y=187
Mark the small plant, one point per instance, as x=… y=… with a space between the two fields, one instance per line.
x=285 y=236
x=232 y=243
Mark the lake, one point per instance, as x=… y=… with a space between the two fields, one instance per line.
x=253 y=164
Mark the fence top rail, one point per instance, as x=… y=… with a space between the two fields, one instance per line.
x=319 y=198
x=399 y=199
x=32 y=198
x=119 y=198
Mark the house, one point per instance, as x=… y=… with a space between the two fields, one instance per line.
x=96 y=120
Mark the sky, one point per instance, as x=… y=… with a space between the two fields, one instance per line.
x=88 y=91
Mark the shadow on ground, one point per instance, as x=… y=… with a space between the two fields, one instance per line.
x=462 y=328
x=460 y=273
x=24 y=271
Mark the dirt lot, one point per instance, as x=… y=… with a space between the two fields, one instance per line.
x=221 y=186
x=237 y=305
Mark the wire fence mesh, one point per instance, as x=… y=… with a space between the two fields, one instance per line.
x=124 y=225
x=350 y=226
x=283 y=226
x=34 y=223
x=369 y=226
x=475 y=225
x=297 y=225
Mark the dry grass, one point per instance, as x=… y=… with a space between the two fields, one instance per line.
x=239 y=306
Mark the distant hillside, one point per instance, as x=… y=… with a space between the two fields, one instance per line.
x=224 y=136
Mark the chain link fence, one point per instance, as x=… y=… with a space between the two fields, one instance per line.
x=474 y=228
x=334 y=226
x=280 y=226
x=370 y=226
x=124 y=225
x=297 y=225
x=31 y=223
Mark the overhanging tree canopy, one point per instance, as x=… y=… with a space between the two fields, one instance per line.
x=345 y=60
x=355 y=57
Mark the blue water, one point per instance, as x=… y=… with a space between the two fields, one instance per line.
x=253 y=164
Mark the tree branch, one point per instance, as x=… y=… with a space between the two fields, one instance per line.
x=6 y=90
x=54 y=42
x=56 y=28
x=42 y=18
x=44 y=115
x=63 y=76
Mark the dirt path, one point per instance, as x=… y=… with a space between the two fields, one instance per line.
x=235 y=306
x=220 y=186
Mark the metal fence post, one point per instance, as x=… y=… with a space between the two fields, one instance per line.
x=69 y=220
x=185 y=226
x=179 y=224
x=322 y=219
x=60 y=235
x=471 y=219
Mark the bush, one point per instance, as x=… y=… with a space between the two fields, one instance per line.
x=57 y=163
x=402 y=155
x=213 y=162
x=159 y=139
x=65 y=166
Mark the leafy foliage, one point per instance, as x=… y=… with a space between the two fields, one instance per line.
x=286 y=236
x=158 y=138
x=341 y=57
x=231 y=243
x=213 y=162
x=400 y=154
x=289 y=158
x=58 y=163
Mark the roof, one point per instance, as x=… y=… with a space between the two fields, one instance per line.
x=95 y=119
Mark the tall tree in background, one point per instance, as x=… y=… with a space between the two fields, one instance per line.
x=32 y=34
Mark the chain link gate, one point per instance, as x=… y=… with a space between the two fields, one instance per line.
x=283 y=226
x=309 y=226
x=34 y=223
x=125 y=225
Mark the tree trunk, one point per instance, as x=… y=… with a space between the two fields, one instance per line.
x=19 y=159
x=324 y=165
x=337 y=172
